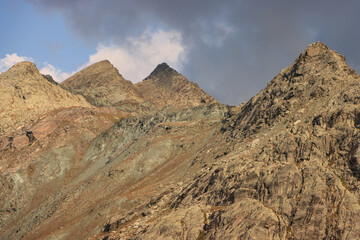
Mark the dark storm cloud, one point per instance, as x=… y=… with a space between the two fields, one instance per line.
x=236 y=47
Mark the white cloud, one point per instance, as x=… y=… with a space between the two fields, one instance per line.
x=56 y=73
x=10 y=59
x=137 y=57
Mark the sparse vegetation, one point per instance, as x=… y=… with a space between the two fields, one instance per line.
x=201 y=235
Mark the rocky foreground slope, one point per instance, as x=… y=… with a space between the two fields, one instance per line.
x=284 y=165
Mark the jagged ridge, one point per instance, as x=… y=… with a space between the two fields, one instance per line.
x=288 y=167
x=284 y=165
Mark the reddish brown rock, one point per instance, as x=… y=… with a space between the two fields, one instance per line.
x=284 y=165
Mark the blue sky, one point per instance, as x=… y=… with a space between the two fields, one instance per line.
x=30 y=32
x=231 y=48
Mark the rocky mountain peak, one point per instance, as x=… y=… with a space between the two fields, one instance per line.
x=23 y=65
x=25 y=94
x=312 y=81
x=316 y=49
x=284 y=165
x=22 y=69
x=103 y=65
x=316 y=58
x=102 y=73
x=102 y=85
x=162 y=72
x=165 y=86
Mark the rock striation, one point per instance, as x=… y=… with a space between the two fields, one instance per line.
x=284 y=165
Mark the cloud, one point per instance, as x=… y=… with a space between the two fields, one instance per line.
x=233 y=47
x=10 y=59
x=57 y=74
x=135 y=58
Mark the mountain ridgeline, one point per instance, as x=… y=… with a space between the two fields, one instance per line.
x=102 y=85
x=98 y=157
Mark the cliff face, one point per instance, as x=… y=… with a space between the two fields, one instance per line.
x=284 y=165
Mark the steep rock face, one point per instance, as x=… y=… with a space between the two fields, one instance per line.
x=319 y=79
x=102 y=85
x=25 y=95
x=164 y=86
x=284 y=165
x=288 y=167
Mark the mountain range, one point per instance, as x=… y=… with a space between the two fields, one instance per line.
x=98 y=157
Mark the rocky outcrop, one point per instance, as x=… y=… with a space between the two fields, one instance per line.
x=102 y=85
x=284 y=165
x=25 y=95
x=122 y=168
x=164 y=86
x=34 y=175
x=288 y=168
x=50 y=79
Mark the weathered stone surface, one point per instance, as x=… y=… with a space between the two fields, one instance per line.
x=284 y=165
x=164 y=86
x=25 y=95
x=102 y=85
x=288 y=168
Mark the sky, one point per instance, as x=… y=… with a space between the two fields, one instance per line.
x=231 y=48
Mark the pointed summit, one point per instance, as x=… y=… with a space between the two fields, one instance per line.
x=162 y=71
x=102 y=73
x=316 y=48
x=102 y=85
x=317 y=59
x=318 y=79
x=165 y=86
x=318 y=51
